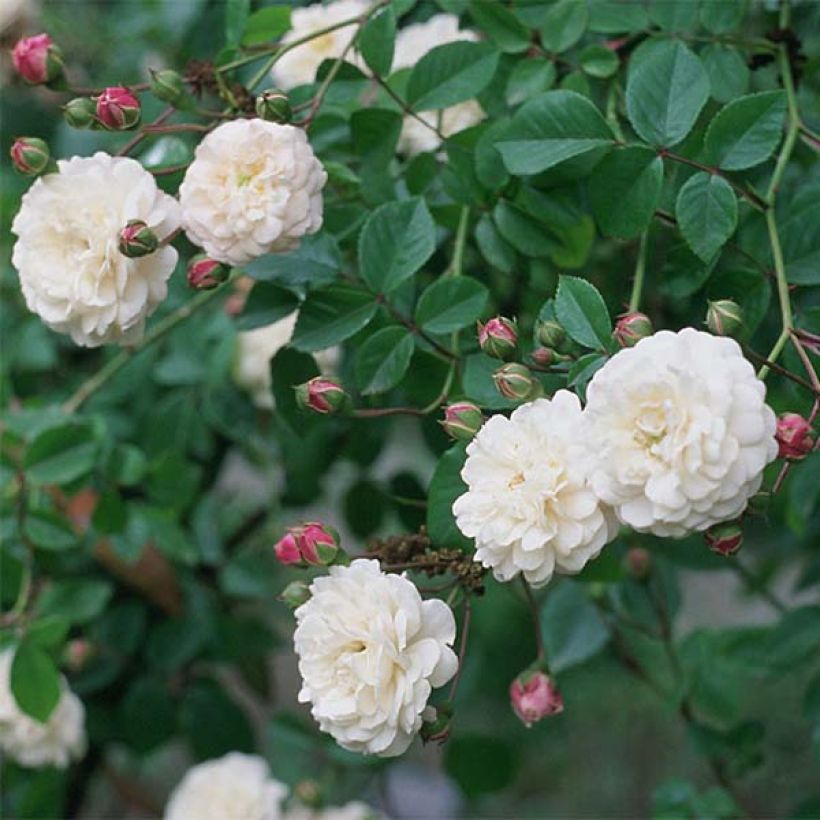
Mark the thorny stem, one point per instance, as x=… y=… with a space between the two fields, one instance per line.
x=640 y=268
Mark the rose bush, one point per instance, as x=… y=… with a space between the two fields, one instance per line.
x=458 y=381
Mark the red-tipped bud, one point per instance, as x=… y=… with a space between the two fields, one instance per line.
x=321 y=395
x=287 y=550
x=80 y=112
x=37 y=60
x=462 y=420
x=295 y=594
x=77 y=653
x=117 y=108
x=318 y=544
x=137 y=239
x=498 y=337
x=725 y=538
x=30 y=155
x=437 y=723
x=795 y=437
x=533 y=696
x=550 y=334
x=724 y=317
x=638 y=563
x=631 y=328
x=515 y=381
x=274 y=106
x=544 y=356
x=205 y=273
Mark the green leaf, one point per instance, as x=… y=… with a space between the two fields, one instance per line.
x=397 y=239
x=450 y=303
x=599 y=61
x=375 y=132
x=213 y=723
x=377 y=41
x=552 y=128
x=478 y=383
x=624 y=190
x=528 y=78
x=35 y=681
x=582 y=311
x=49 y=531
x=797 y=223
x=289 y=368
x=674 y=15
x=316 y=262
x=722 y=16
x=445 y=487
x=503 y=27
x=450 y=74
x=48 y=633
x=60 y=455
x=79 y=601
x=706 y=210
x=266 y=303
x=480 y=764
x=572 y=628
x=494 y=248
x=266 y=24
x=616 y=16
x=728 y=73
x=237 y=13
x=148 y=695
x=564 y=24
x=747 y=131
x=330 y=316
x=383 y=360
x=665 y=93
x=522 y=231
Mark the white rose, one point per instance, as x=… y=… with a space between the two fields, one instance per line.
x=71 y=270
x=234 y=787
x=298 y=66
x=254 y=351
x=56 y=742
x=370 y=653
x=680 y=432
x=350 y=811
x=529 y=504
x=415 y=40
x=254 y=188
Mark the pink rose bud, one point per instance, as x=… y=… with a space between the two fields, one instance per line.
x=515 y=381
x=725 y=538
x=724 y=317
x=631 y=328
x=639 y=563
x=137 y=239
x=462 y=420
x=317 y=543
x=30 y=155
x=321 y=395
x=117 y=108
x=77 y=653
x=534 y=696
x=544 y=356
x=37 y=60
x=287 y=550
x=295 y=594
x=205 y=273
x=795 y=437
x=498 y=337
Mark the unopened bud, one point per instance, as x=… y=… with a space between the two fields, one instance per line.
x=638 y=563
x=498 y=337
x=307 y=792
x=544 y=356
x=759 y=504
x=724 y=317
x=274 y=106
x=437 y=729
x=631 y=328
x=462 y=420
x=37 y=60
x=137 y=239
x=515 y=381
x=287 y=550
x=321 y=395
x=30 y=155
x=295 y=594
x=81 y=112
x=795 y=437
x=77 y=653
x=205 y=273
x=725 y=538
x=117 y=108
x=168 y=86
x=533 y=696
x=318 y=544
x=550 y=334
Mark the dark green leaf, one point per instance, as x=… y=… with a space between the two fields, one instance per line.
x=49 y=531
x=674 y=15
x=564 y=24
x=383 y=360
x=266 y=303
x=35 y=681
x=722 y=16
x=528 y=78
x=445 y=487
x=49 y=632
x=706 y=210
x=236 y=18
x=330 y=316
x=480 y=764
x=727 y=70
x=60 y=455
x=450 y=303
x=79 y=601
x=494 y=248
x=266 y=24
x=599 y=61
x=316 y=261
x=213 y=723
x=503 y=27
x=377 y=40
x=582 y=312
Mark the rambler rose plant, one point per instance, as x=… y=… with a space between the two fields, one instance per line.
x=436 y=339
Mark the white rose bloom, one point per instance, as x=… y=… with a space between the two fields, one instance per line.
x=234 y=787
x=680 y=431
x=350 y=811
x=529 y=504
x=299 y=65
x=56 y=742
x=256 y=348
x=71 y=270
x=254 y=188
x=414 y=41
x=370 y=653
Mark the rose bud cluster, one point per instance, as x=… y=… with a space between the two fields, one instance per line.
x=312 y=543
x=725 y=538
x=322 y=394
x=118 y=109
x=205 y=273
x=498 y=337
x=137 y=239
x=462 y=420
x=515 y=382
x=631 y=328
x=724 y=317
x=30 y=156
x=795 y=437
x=534 y=696
x=37 y=60
x=81 y=112
x=274 y=106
